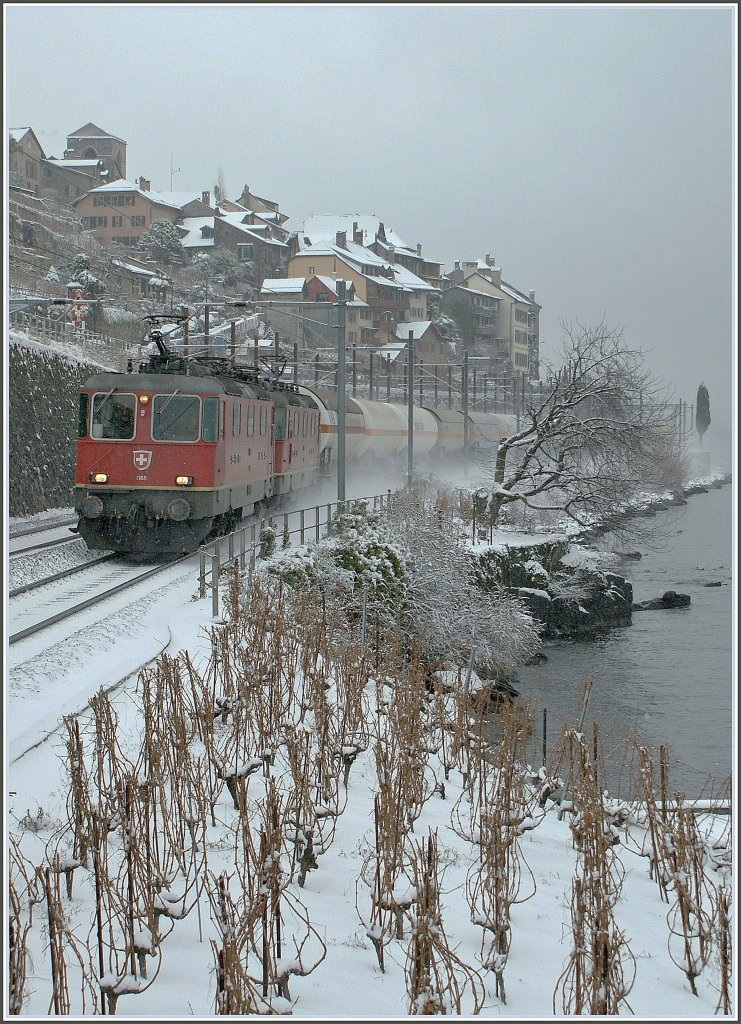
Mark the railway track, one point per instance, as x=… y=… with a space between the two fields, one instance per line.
x=28 y=587
x=59 y=536
x=42 y=528
x=65 y=590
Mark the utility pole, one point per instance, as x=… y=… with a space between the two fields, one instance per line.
x=341 y=373
x=465 y=413
x=410 y=408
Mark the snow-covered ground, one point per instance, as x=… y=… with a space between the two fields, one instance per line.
x=348 y=983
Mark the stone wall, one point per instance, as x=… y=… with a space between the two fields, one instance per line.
x=43 y=388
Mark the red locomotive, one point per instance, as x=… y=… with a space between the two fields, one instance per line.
x=183 y=449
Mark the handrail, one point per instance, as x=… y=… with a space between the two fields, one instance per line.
x=240 y=550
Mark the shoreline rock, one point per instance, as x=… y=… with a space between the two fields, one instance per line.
x=669 y=599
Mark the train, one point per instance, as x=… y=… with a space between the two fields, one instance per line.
x=180 y=451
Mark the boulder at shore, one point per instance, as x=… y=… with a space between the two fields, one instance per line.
x=670 y=599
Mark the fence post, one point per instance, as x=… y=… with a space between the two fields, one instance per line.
x=202 y=574
x=215 y=579
x=301 y=521
x=317 y=524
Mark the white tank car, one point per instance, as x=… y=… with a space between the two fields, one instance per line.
x=372 y=429
x=377 y=429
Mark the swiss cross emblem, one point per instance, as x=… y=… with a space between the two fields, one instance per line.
x=142 y=460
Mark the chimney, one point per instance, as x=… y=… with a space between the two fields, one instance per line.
x=490 y=260
x=391 y=254
x=357 y=233
x=341 y=239
x=532 y=296
x=143 y=183
x=419 y=249
x=206 y=198
x=457 y=264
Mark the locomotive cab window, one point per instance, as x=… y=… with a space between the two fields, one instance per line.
x=210 y=429
x=263 y=420
x=236 y=419
x=82 y=415
x=176 y=417
x=250 y=420
x=114 y=416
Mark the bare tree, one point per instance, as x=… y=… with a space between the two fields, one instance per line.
x=599 y=433
x=220 y=187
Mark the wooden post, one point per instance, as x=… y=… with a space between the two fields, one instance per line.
x=545 y=726
x=664 y=763
x=234 y=341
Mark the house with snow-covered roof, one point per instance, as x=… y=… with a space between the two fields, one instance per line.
x=66 y=180
x=494 y=314
x=371 y=233
x=266 y=207
x=431 y=350
x=285 y=304
x=250 y=240
x=392 y=291
x=122 y=211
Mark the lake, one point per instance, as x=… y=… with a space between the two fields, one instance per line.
x=669 y=676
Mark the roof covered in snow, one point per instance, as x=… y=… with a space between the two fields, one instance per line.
x=514 y=294
x=123 y=185
x=193 y=227
x=326 y=226
x=417 y=327
x=358 y=257
x=74 y=163
x=283 y=285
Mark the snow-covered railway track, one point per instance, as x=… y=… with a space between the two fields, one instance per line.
x=43 y=528
x=53 y=542
x=28 y=587
x=34 y=610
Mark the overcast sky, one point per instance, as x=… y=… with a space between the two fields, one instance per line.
x=592 y=150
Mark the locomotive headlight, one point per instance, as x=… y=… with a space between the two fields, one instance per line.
x=98 y=478
x=184 y=481
x=144 y=399
x=178 y=510
x=92 y=507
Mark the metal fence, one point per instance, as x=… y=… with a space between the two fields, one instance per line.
x=242 y=546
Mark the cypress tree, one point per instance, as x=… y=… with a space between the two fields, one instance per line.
x=702 y=416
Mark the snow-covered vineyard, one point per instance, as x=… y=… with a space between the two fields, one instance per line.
x=293 y=811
